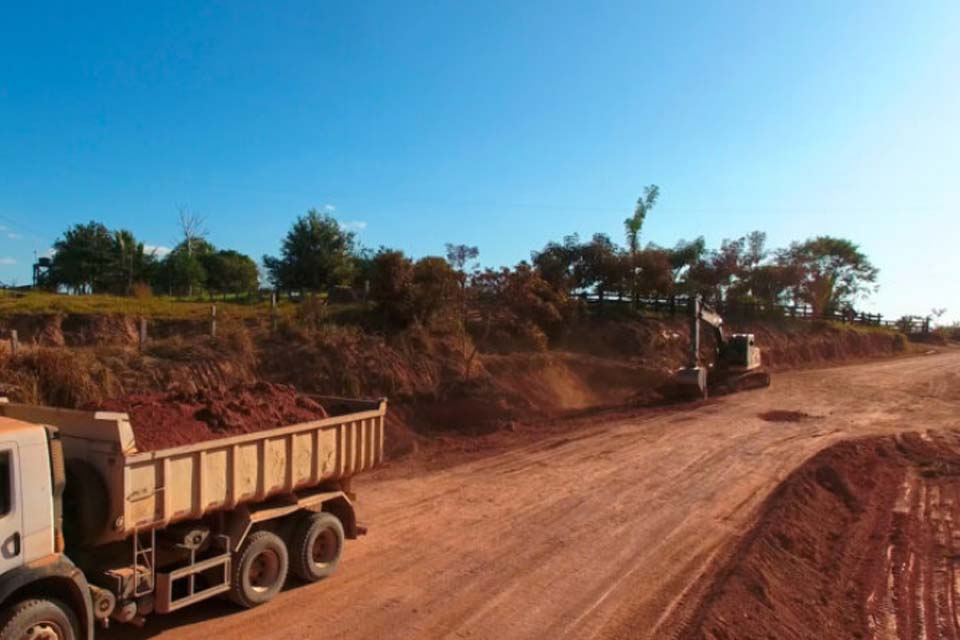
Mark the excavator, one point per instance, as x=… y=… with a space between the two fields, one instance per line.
x=737 y=364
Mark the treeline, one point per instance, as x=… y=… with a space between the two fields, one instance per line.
x=318 y=256
x=90 y=258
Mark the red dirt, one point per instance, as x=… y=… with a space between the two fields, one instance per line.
x=162 y=420
x=861 y=541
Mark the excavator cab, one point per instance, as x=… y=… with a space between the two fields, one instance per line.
x=740 y=353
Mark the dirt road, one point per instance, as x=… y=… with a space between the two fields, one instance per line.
x=601 y=531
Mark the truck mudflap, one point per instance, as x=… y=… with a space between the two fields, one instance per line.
x=54 y=576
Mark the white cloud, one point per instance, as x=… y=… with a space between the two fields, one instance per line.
x=7 y=261
x=156 y=249
x=354 y=225
x=329 y=208
x=14 y=236
x=51 y=252
x=2 y=228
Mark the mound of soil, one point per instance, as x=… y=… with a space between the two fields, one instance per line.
x=861 y=541
x=162 y=420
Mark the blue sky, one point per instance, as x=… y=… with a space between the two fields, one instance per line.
x=499 y=124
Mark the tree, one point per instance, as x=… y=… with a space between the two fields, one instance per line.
x=424 y=292
x=653 y=272
x=391 y=287
x=633 y=225
x=437 y=293
x=601 y=266
x=458 y=255
x=770 y=284
x=181 y=273
x=82 y=258
x=229 y=271
x=683 y=257
x=557 y=263
x=364 y=267
x=193 y=230
x=129 y=263
x=183 y=270
x=756 y=252
x=830 y=272
x=316 y=254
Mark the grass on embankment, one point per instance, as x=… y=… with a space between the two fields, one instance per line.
x=161 y=307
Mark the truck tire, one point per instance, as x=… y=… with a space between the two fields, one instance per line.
x=39 y=619
x=259 y=569
x=316 y=546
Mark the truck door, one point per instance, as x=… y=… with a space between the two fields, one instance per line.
x=11 y=521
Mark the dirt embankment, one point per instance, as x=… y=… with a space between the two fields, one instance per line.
x=862 y=541
x=434 y=386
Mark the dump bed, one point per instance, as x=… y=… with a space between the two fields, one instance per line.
x=155 y=488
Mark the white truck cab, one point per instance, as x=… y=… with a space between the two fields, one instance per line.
x=26 y=508
x=49 y=596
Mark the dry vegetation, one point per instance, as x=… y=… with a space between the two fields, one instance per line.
x=438 y=378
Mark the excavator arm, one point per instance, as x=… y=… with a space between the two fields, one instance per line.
x=701 y=312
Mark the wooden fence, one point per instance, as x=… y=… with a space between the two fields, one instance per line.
x=677 y=305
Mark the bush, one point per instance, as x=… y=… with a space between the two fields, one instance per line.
x=392 y=287
x=57 y=377
x=428 y=292
x=141 y=291
x=900 y=343
x=518 y=304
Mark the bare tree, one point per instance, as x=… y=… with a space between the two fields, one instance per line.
x=192 y=227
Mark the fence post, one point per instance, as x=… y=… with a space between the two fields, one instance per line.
x=273 y=311
x=14 y=342
x=673 y=306
x=142 y=334
x=213 y=321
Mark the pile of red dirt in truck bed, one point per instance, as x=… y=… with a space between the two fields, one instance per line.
x=162 y=420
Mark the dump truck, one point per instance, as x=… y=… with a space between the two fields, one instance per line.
x=94 y=530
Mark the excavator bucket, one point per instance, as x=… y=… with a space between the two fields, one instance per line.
x=691 y=382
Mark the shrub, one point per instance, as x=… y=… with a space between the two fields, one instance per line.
x=141 y=291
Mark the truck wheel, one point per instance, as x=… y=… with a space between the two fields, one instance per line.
x=259 y=569
x=316 y=546
x=39 y=619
